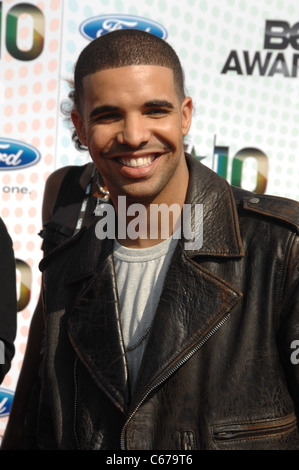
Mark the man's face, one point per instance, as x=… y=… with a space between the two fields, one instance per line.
x=133 y=123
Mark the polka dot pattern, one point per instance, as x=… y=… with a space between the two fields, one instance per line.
x=237 y=111
x=29 y=103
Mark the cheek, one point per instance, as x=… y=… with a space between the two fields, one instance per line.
x=170 y=132
x=98 y=141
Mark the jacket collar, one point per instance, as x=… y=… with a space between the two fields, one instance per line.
x=221 y=234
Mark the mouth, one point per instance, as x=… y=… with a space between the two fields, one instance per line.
x=140 y=162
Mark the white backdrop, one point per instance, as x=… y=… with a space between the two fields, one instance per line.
x=241 y=62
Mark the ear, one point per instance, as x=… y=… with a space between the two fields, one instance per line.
x=79 y=126
x=186 y=110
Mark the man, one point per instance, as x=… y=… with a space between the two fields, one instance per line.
x=154 y=342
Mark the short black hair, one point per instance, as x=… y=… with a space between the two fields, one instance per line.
x=123 y=48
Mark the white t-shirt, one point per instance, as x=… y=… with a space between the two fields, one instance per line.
x=140 y=276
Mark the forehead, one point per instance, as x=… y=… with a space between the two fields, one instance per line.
x=136 y=81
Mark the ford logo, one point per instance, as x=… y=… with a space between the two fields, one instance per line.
x=100 y=25
x=6 y=397
x=15 y=155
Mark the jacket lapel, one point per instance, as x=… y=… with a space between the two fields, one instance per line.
x=95 y=331
x=221 y=234
x=193 y=304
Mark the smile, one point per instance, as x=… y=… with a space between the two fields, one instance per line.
x=139 y=162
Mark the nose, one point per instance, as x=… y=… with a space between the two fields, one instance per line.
x=134 y=131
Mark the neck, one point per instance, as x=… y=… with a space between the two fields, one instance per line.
x=150 y=225
x=144 y=224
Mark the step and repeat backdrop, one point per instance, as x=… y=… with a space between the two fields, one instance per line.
x=241 y=61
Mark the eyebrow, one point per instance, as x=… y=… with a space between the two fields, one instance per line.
x=159 y=104
x=102 y=110
x=149 y=104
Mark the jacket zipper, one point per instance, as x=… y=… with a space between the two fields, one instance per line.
x=255 y=430
x=169 y=373
x=187 y=441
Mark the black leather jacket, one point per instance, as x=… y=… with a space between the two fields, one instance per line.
x=217 y=371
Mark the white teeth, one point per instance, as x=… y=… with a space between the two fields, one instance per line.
x=137 y=162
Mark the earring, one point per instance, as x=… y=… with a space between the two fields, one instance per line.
x=102 y=190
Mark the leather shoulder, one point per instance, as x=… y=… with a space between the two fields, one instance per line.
x=281 y=209
x=61 y=249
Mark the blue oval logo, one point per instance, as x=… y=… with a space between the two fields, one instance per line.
x=15 y=155
x=6 y=397
x=100 y=25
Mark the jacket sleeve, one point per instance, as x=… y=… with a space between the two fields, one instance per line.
x=288 y=337
x=8 y=301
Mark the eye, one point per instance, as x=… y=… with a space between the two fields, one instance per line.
x=105 y=114
x=157 y=112
x=107 y=117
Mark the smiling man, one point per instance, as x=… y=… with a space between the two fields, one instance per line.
x=135 y=137
x=149 y=344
